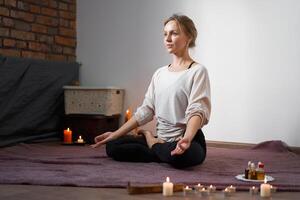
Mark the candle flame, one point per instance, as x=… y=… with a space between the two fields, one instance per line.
x=186 y=187
x=128 y=111
x=253 y=187
x=265 y=181
x=127 y=115
x=226 y=189
x=68 y=129
x=203 y=189
x=168 y=179
x=80 y=137
x=199 y=184
x=271 y=186
x=231 y=186
x=210 y=186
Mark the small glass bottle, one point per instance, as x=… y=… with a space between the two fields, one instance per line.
x=260 y=172
x=252 y=172
x=247 y=170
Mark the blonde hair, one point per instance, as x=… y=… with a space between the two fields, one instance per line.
x=187 y=26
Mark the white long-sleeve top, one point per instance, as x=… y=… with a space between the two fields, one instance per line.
x=174 y=97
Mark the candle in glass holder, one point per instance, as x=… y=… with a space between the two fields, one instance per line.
x=211 y=188
x=204 y=192
x=265 y=189
x=227 y=192
x=167 y=187
x=231 y=188
x=253 y=190
x=187 y=190
x=67 y=136
x=273 y=189
x=198 y=187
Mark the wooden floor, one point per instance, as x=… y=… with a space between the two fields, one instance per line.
x=24 y=192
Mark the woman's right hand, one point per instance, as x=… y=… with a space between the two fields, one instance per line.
x=108 y=136
x=103 y=138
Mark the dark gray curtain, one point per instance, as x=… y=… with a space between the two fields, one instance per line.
x=31 y=98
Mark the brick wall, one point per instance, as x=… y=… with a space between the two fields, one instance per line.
x=43 y=29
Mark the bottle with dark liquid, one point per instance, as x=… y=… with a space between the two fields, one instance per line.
x=247 y=170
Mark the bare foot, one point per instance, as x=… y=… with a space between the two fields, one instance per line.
x=133 y=134
x=151 y=140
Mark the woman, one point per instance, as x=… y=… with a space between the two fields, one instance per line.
x=179 y=97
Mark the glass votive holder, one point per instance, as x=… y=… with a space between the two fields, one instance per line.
x=253 y=190
x=198 y=187
x=227 y=192
x=187 y=190
x=231 y=188
x=273 y=189
x=211 y=189
x=204 y=192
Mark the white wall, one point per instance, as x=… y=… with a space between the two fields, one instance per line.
x=251 y=49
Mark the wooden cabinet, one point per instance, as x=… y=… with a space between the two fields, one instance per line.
x=89 y=126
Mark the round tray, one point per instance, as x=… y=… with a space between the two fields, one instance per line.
x=241 y=177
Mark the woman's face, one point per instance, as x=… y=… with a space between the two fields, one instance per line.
x=175 y=40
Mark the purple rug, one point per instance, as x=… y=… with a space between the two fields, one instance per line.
x=54 y=164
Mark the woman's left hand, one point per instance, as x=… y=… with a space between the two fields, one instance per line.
x=182 y=145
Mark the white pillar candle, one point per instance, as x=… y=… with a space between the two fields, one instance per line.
x=265 y=189
x=80 y=140
x=167 y=187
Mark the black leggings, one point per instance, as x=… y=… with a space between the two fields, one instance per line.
x=135 y=149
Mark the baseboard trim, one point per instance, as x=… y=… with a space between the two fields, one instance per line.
x=230 y=145
x=239 y=145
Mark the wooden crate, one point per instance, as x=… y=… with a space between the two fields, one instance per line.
x=93 y=100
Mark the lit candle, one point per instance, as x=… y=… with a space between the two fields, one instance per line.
x=67 y=136
x=204 y=192
x=127 y=115
x=231 y=188
x=198 y=187
x=253 y=190
x=265 y=189
x=273 y=189
x=211 y=188
x=187 y=190
x=167 y=187
x=227 y=192
x=80 y=140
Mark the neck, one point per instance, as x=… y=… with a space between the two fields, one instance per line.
x=181 y=60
